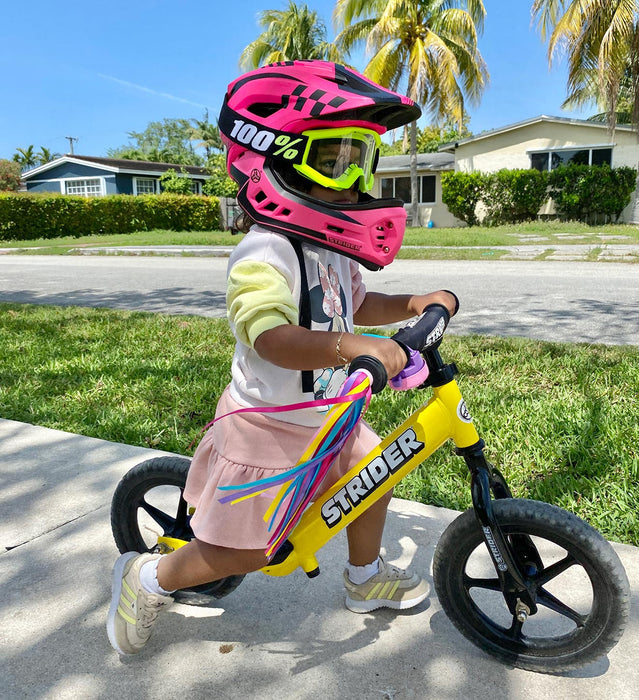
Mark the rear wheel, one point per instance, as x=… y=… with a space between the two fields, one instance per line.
x=579 y=583
x=148 y=503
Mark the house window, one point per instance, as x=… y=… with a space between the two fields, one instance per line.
x=143 y=185
x=549 y=160
x=399 y=188
x=428 y=189
x=84 y=188
x=195 y=187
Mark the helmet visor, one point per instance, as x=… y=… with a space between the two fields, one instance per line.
x=338 y=158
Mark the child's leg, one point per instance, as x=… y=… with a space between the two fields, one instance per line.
x=365 y=534
x=199 y=562
x=136 y=601
x=384 y=585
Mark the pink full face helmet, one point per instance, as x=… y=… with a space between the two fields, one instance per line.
x=291 y=124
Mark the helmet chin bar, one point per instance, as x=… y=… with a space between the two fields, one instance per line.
x=369 y=231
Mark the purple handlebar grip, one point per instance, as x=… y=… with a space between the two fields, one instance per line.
x=414 y=374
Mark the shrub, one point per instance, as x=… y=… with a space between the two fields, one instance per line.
x=461 y=192
x=514 y=196
x=9 y=175
x=29 y=216
x=219 y=184
x=586 y=192
x=173 y=183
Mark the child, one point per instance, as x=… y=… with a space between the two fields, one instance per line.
x=302 y=143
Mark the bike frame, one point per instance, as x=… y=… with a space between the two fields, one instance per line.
x=444 y=417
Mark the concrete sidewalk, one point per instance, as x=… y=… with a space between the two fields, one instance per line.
x=287 y=638
x=604 y=252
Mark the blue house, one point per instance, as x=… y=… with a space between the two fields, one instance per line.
x=89 y=176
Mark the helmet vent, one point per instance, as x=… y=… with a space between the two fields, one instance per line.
x=285 y=212
x=381 y=240
x=334 y=229
x=271 y=206
x=260 y=196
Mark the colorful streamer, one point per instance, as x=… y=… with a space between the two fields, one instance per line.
x=299 y=484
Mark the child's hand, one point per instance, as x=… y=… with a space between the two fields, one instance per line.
x=444 y=297
x=387 y=351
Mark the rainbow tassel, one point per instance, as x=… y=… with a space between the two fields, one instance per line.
x=299 y=484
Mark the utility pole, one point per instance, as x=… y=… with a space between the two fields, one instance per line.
x=71 y=139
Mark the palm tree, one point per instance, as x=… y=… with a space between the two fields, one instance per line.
x=26 y=157
x=601 y=40
x=426 y=48
x=290 y=34
x=625 y=103
x=206 y=134
x=45 y=155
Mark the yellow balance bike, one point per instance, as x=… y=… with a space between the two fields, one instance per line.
x=506 y=571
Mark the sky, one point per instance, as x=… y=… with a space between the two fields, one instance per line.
x=97 y=72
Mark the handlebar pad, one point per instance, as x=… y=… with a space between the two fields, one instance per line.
x=374 y=367
x=426 y=331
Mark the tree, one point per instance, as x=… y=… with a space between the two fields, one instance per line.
x=44 y=155
x=601 y=41
x=430 y=138
x=625 y=102
x=206 y=135
x=290 y=34
x=10 y=172
x=26 y=157
x=175 y=183
x=426 y=48
x=220 y=184
x=166 y=141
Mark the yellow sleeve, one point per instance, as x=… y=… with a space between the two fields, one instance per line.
x=258 y=298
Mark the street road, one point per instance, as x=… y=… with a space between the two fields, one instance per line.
x=571 y=301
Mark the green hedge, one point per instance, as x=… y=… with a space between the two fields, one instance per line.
x=514 y=196
x=580 y=193
x=461 y=192
x=29 y=216
x=586 y=193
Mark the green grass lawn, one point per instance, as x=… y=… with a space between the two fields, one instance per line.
x=560 y=420
x=534 y=233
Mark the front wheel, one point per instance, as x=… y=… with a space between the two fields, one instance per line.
x=148 y=504
x=579 y=583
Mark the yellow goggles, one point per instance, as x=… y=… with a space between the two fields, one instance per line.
x=338 y=158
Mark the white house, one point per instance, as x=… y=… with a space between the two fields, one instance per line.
x=392 y=179
x=540 y=142
x=544 y=143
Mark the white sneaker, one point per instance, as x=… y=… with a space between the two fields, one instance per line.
x=133 y=611
x=391 y=587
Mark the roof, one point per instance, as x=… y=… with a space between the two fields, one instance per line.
x=450 y=147
x=425 y=161
x=118 y=165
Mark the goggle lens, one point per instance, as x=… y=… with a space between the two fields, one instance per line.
x=337 y=158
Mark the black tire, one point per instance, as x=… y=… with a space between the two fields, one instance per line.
x=148 y=502
x=583 y=595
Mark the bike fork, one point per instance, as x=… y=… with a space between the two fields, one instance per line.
x=508 y=554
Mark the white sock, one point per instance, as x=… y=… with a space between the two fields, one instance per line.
x=149 y=578
x=361 y=574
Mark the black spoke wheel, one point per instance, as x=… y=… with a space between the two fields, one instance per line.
x=148 y=503
x=580 y=585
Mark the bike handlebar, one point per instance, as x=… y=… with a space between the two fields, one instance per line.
x=424 y=333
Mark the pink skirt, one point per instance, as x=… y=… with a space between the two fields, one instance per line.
x=246 y=447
